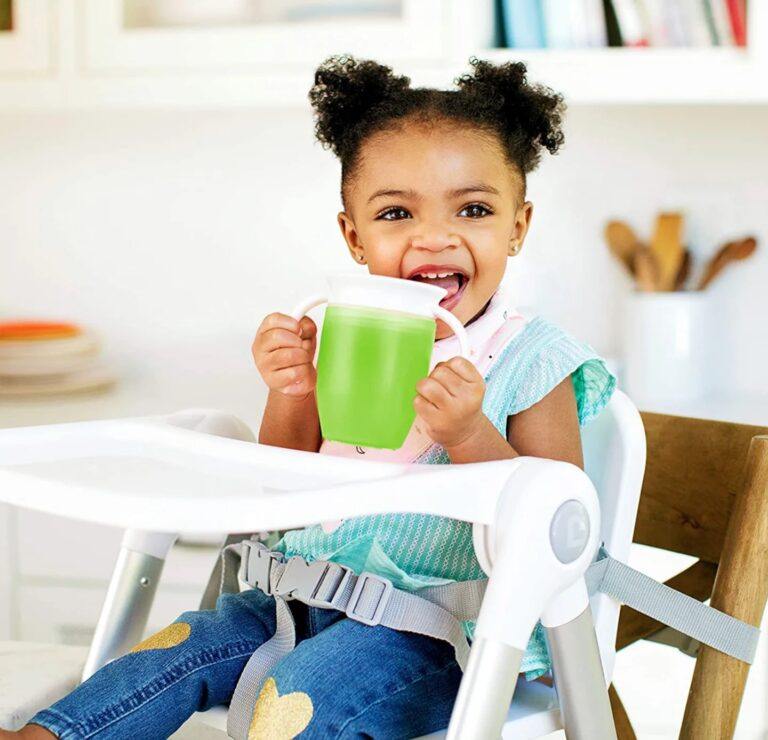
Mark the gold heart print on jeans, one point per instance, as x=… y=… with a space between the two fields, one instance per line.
x=279 y=717
x=168 y=637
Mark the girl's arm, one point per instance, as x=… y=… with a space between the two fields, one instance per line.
x=291 y=422
x=549 y=428
x=283 y=350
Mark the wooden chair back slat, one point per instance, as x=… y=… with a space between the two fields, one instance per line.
x=741 y=590
x=694 y=469
x=705 y=493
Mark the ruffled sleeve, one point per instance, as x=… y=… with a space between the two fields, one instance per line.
x=545 y=356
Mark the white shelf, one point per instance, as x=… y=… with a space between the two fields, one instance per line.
x=77 y=55
x=646 y=76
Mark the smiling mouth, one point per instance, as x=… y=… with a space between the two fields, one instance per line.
x=454 y=282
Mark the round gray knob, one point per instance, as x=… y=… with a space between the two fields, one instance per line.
x=569 y=531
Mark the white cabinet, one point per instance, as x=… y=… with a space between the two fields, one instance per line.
x=28 y=46
x=122 y=36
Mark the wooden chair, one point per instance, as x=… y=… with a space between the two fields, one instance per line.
x=705 y=494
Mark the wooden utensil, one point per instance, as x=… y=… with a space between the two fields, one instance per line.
x=623 y=242
x=646 y=269
x=684 y=271
x=667 y=248
x=729 y=252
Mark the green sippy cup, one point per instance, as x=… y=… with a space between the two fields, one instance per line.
x=375 y=345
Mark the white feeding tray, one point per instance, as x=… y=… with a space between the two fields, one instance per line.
x=145 y=473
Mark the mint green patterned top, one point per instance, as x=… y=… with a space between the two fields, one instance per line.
x=417 y=550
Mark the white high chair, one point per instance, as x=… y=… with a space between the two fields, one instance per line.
x=200 y=470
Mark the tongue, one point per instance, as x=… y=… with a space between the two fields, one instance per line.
x=450 y=283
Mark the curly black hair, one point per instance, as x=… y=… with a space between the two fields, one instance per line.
x=354 y=99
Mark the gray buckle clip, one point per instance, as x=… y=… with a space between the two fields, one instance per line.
x=302 y=580
x=255 y=564
x=355 y=598
x=332 y=602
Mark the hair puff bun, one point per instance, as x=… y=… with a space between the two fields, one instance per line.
x=531 y=114
x=345 y=91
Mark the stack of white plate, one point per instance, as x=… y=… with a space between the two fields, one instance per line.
x=43 y=358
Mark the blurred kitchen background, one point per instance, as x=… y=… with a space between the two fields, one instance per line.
x=161 y=191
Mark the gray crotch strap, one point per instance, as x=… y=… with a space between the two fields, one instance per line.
x=436 y=612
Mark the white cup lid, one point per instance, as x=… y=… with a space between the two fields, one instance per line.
x=379 y=291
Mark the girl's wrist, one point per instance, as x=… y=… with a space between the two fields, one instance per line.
x=290 y=422
x=469 y=440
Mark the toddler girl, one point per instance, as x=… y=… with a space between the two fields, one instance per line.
x=433 y=187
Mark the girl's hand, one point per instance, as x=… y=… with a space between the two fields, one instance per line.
x=450 y=401
x=283 y=351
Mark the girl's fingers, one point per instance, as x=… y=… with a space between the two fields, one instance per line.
x=433 y=392
x=288 y=376
x=277 y=339
x=307 y=328
x=279 y=321
x=299 y=388
x=449 y=379
x=424 y=408
x=286 y=357
x=464 y=369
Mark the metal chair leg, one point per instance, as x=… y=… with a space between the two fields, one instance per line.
x=129 y=597
x=580 y=681
x=486 y=691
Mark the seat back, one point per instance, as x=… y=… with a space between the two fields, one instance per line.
x=614 y=458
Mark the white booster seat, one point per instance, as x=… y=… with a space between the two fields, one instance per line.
x=537 y=527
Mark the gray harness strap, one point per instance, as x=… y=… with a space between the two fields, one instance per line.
x=256 y=671
x=681 y=612
x=437 y=611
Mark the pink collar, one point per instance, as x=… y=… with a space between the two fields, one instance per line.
x=498 y=324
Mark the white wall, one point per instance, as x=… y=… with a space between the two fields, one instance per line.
x=154 y=227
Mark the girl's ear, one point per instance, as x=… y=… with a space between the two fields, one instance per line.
x=349 y=232
x=520 y=228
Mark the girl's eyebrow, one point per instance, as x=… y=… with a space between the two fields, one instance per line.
x=409 y=194
x=478 y=187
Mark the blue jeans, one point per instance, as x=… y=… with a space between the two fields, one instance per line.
x=346 y=679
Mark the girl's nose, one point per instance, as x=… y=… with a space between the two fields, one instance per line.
x=434 y=240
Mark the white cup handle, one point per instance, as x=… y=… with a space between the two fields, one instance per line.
x=307 y=304
x=458 y=329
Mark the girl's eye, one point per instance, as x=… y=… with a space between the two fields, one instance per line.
x=395 y=209
x=474 y=206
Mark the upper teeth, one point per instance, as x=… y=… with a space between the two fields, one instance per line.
x=436 y=274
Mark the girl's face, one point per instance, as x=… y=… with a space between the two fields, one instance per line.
x=439 y=204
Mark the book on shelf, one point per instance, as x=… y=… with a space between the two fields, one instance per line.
x=633 y=21
x=574 y=24
x=523 y=23
x=721 y=21
x=737 y=13
x=612 y=28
